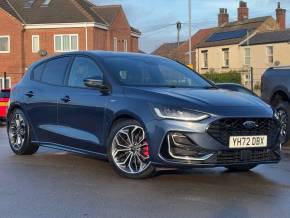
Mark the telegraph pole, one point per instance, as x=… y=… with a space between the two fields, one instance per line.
x=189 y=32
x=178 y=26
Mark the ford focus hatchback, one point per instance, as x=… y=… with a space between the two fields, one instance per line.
x=140 y=112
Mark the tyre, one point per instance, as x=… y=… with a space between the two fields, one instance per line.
x=19 y=134
x=241 y=168
x=283 y=111
x=128 y=150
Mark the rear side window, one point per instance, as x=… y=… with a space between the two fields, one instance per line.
x=37 y=72
x=55 y=70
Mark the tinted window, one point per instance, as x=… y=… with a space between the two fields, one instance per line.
x=152 y=71
x=54 y=71
x=83 y=68
x=5 y=94
x=37 y=72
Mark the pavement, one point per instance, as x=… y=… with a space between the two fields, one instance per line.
x=59 y=184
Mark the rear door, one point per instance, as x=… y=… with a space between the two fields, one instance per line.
x=81 y=109
x=42 y=96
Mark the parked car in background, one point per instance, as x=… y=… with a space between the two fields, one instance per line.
x=275 y=90
x=235 y=88
x=4 y=100
x=141 y=112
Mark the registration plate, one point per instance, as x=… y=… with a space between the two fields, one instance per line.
x=248 y=141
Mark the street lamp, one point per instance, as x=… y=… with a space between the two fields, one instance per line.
x=178 y=26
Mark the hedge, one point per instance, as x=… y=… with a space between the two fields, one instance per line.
x=229 y=77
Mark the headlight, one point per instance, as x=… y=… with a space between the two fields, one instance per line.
x=179 y=114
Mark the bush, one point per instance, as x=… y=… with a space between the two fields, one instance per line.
x=228 y=77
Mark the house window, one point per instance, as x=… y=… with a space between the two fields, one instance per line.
x=35 y=43
x=115 y=44
x=247 y=56
x=66 y=43
x=270 y=54
x=226 y=55
x=4 y=44
x=3 y=85
x=205 y=59
x=125 y=45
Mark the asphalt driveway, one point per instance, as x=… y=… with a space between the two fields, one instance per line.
x=58 y=184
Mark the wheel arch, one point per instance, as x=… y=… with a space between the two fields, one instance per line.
x=279 y=95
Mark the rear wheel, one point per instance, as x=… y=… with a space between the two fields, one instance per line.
x=241 y=168
x=19 y=134
x=128 y=150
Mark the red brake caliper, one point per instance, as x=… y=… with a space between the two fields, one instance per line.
x=146 y=149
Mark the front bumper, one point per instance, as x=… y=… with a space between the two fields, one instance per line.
x=209 y=151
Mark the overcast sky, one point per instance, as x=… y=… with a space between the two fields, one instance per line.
x=156 y=18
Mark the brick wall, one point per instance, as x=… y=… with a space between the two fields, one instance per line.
x=21 y=56
x=11 y=62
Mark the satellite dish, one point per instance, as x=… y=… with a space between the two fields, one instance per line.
x=42 y=52
x=277 y=63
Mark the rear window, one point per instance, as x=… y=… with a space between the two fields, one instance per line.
x=37 y=72
x=5 y=94
x=54 y=71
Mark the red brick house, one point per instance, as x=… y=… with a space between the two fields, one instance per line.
x=33 y=29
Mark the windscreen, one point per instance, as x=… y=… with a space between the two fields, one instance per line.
x=153 y=71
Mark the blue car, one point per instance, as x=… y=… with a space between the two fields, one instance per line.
x=141 y=112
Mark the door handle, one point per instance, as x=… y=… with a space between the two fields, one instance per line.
x=29 y=94
x=66 y=99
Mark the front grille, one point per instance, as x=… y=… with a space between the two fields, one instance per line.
x=244 y=156
x=223 y=129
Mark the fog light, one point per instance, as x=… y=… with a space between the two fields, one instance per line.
x=182 y=147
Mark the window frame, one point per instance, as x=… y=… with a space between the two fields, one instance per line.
x=226 y=62
x=125 y=45
x=247 y=56
x=204 y=61
x=268 y=56
x=8 y=46
x=61 y=41
x=2 y=82
x=115 y=44
x=38 y=43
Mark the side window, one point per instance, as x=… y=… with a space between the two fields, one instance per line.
x=82 y=69
x=37 y=72
x=55 y=70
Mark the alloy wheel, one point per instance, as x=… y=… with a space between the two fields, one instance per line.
x=17 y=131
x=130 y=150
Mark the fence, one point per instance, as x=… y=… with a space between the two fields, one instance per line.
x=248 y=77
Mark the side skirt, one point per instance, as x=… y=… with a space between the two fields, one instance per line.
x=70 y=149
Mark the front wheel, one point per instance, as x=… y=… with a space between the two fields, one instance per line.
x=128 y=150
x=19 y=134
x=241 y=168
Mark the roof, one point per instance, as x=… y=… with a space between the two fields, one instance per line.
x=197 y=38
x=61 y=11
x=233 y=32
x=166 y=48
x=269 y=37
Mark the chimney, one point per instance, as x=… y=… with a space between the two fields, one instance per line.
x=223 y=17
x=243 y=11
x=281 y=17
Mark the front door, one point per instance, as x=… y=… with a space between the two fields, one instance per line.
x=81 y=109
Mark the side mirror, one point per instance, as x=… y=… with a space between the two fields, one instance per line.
x=96 y=83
